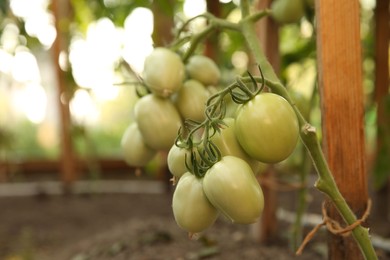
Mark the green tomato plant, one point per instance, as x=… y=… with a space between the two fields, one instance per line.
x=215 y=169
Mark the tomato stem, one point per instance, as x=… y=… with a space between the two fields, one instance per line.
x=196 y=40
x=214 y=23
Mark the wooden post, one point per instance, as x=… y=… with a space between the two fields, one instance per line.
x=268 y=33
x=162 y=36
x=68 y=164
x=211 y=45
x=162 y=23
x=340 y=79
x=382 y=37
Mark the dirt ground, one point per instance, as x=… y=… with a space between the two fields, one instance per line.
x=127 y=226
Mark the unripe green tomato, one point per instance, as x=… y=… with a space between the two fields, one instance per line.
x=287 y=11
x=164 y=72
x=233 y=189
x=192 y=210
x=135 y=152
x=267 y=128
x=203 y=69
x=191 y=100
x=227 y=144
x=158 y=121
x=176 y=160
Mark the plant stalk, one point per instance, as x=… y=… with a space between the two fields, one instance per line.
x=325 y=182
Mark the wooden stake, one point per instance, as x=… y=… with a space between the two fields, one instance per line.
x=162 y=35
x=162 y=23
x=382 y=37
x=340 y=79
x=60 y=10
x=268 y=33
x=212 y=49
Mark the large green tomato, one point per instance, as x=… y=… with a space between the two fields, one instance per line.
x=158 y=121
x=233 y=189
x=135 y=152
x=191 y=208
x=203 y=69
x=164 y=72
x=191 y=100
x=288 y=11
x=267 y=128
x=227 y=144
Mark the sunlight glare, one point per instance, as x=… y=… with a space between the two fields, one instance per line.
x=32 y=101
x=138 y=16
x=193 y=8
x=93 y=59
x=9 y=37
x=41 y=26
x=138 y=42
x=39 y=22
x=25 y=8
x=306 y=29
x=25 y=66
x=368 y=4
x=83 y=108
x=6 y=61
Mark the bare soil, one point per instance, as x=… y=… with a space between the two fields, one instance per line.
x=128 y=226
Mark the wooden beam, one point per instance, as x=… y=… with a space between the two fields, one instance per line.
x=340 y=79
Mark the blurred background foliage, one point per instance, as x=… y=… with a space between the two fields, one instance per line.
x=104 y=39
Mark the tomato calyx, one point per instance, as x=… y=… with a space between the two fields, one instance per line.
x=203 y=153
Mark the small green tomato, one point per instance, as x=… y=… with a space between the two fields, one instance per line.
x=233 y=189
x=176 y=160
x=191 y=100
x=287 y=11
x=203 y=69
x=164 y=72
x=158 y=121
x=135 y=152
x=192 y=210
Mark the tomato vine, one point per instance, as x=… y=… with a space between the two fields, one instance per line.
x=209 y=154
x=196 y=137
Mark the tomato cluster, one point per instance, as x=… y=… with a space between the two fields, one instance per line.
x=177 y=91
x=214 y=168
x=265 y=130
